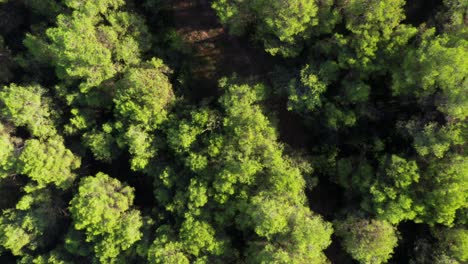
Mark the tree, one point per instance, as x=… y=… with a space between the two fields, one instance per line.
x=93 y=8
x=353 y=174
x=141 y=147
x=234 y=14
x=28 y=106
x=48 y=162
x=232 y=173
x=144 y=95
x=287 y=21
x=281 y=25
x=165 y=249
x=454 y=242
x=199 y=237
x=435 y=140
x=375 y=118
x=7 y=152
x=453 y=17
x=90 y=60
x=102 y=209
x=276 y=211
x=392 y=193
x=445 y=190
x=142 y=101
x=181 y=135
x=47 y=8
x=308 y=94
x=438 y=66
x=294 y=234
x=102 y=143
x=104 y=49
x=56 y=256
x=371 y=24
x=32 y=225
x=367 y=241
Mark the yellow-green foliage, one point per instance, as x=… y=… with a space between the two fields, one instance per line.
x=28 y=106
x=367 y=241
x=102 y=208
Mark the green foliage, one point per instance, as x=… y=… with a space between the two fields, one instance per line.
x=141 y=147
x=81 y=119
x=367 y=241
x=282 y=26
x=46 y=8
x=355 y=176
x=144 y=94
x=7 y=154
x=372 y=107
x=356 y=91
x=31 y=225
x=454 y=242
x=251 y=138
x=250 y=133
x=28 y=106
x=435 y=140
x=235 y=14
x=94 y=7
x=75 y=243
x=242 y=175
x=437 y=66
x=371 y=23
x=292 y=232
x=102 y=208
x=198 y=236
x=401 y=191
x=307 y=95
x=56 y=256
x=445 y=190
x=48 y=162
x=182 y=135
x=287 y=21
x=104 y=49
x=338 y=118
x=142 y=101
x=454 y=15
x=165 y=250
x=393 y=191
x=103 y=145
x=90 y=60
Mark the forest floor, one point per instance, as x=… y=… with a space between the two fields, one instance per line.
x=216 y=53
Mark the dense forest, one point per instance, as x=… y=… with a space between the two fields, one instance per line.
x=234 y=131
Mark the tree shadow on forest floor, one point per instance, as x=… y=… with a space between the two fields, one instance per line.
x=215 y=53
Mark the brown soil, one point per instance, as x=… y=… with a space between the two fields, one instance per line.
x=216 y=53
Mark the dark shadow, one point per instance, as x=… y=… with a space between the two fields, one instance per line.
x=420 y=11
x=410 y=232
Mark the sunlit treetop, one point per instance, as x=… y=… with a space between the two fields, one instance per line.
x=144 y=95
x=439 y=65
x=93 y=48
x=48 y=162
x=28 y=106
x=102 y=208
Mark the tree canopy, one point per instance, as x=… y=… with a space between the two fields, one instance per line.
x=233 y=131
